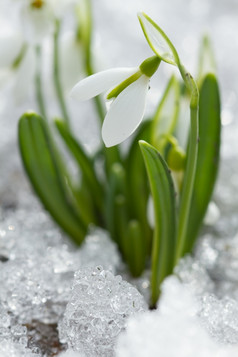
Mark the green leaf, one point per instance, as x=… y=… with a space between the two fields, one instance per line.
x=115 y=204
x=208 y=155
x=166 y=115
x=161 y=184
x=120 y=220
x=85 y=164
x=135 y=248
x=44 y=169
x=137 y=183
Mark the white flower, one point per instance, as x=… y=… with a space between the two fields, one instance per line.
x=17 y=66
x=38 y=17
x=18 y=79
x=128 y=87
x=10 y=47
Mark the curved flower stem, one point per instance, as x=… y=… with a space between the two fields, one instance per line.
x=57 y=81
x=191 y=165
x=38 y=83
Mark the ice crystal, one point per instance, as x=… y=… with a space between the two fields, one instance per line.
x=97 y=311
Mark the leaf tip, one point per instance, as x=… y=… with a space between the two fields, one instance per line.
x=142 y=143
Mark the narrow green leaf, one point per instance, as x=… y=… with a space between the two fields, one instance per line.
x=85 y=164
x=135 y=248
x=83 y=198
x=120 y=220
x=116 y=188
x=137 y=183
x=166 y=115
x=161 y=184
x=128 y=234
x=43 y=168
x=208 y=155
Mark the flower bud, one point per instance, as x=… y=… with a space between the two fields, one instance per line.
x=176 y=158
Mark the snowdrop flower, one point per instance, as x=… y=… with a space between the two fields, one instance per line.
x=18 y=77
x=17 y=66
x=38 y=17
x=128 y=88
x=10 y=48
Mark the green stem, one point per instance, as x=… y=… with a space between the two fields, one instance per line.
x=38 y=83
x=88 y=58
x=112 y=155
x=191 y=165
x=57 y=81
x=84 y=35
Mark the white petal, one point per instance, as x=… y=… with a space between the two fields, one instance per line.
x=125 y=113
x=10 y=47
x=100 y=82
x=24 y=77
x=37 y=23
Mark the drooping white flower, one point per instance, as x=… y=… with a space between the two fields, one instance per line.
x=17 y=66
x=23 y=78
x=38 y=17
x=10 y=47
x=128 y=88
x=18 y=76
x=36 y=20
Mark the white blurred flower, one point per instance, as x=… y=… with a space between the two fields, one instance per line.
x=18 y=79
x=37 y=20
x=128 y=88
x=10 y=47
x=17 y=65
x=38 y=17
x=24 y=76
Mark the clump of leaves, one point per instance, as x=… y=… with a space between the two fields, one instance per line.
x=173 y=174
